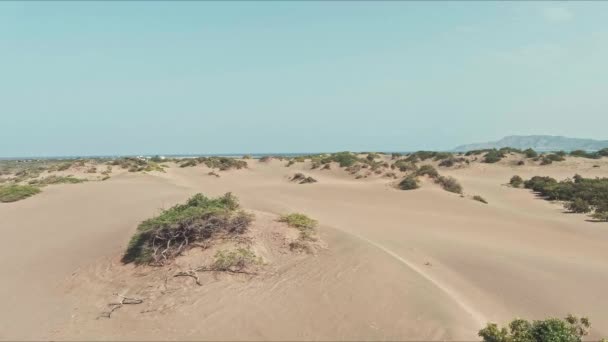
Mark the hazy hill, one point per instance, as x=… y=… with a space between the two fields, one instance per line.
x=539 y=143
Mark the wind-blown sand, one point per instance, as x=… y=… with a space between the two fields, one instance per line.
x=399 y=265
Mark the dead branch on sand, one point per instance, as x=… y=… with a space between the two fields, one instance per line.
x=189 y=273
x=115 y=306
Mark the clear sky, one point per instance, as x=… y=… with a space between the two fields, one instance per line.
x=90 y=78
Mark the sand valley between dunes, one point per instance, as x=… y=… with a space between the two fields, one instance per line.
x=395 y=265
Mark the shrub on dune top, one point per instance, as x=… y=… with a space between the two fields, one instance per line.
x=162 y=238
x=570 y=329
x=14 y=192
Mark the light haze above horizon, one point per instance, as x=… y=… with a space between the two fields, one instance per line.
x=109 y=78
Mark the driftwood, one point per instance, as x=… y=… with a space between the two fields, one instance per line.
x=189 y=273
x=115 y=306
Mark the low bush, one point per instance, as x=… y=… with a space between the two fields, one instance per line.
x=427 y=170
x=480 y=199
x=301 y=222
x=265 y=159
x=160 y=239
x=50 y=180
x=578 y=205
x=493 y=156
x=449 y=184
x=409 y=183
x=577 y=192
x=344 y=159
x=570 y=329
x=14 y=192
x=552 y=157
x=235 y=260
x=516 y=181
x=449 y=162
x=302 y=179
x=404 y=165
x=530 y=153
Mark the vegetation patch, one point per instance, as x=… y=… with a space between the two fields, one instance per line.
x=235 y=261
x=409 y=183
x=50 y=180
x=305 y=225
x=160 y=239
x=581 y=194
x=570 y=329
x=449 y=184
x=480 y=199
x=427 y=170
x=301 y=178
x=405 y=165
x=516 y=181
x=14 y=192
x=220 y=163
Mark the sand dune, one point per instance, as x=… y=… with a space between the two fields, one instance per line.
x=399 y=265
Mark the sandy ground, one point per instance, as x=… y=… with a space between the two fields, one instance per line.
x=398 y=265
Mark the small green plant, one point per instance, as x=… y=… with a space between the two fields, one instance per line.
x=235 y=260
x=427 y=170
x=493 y=156
x=516 y=181
x=409 y=183
x=480 y=199
x=570 y=329
x=14 y=192
x=530 y=153
x=301 y=222
x=449 y=184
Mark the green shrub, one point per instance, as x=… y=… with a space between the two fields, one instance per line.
x=578 y=205
x=301 y=222
x=553 y=157
x=344 y=159
x=235 y=260
x=493 y=156
x=592 y=191
x=162 y=238
x=427 y=170
x=14 y=192
x=409 y=183
x=603 y=152
x=50 y=180
x=516 y=181
x=480 y=199
x=449 y=184
x=530 y=153
x=449 y=162
x=404 y=165
x=571 y=329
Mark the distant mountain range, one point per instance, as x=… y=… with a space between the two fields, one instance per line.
x=539 y=143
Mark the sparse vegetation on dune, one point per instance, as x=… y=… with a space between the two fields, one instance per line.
x=516 y=181
x=303 y=223
x=220 y=163
x=449 y=184
x=405 y=165
x=160 y=239
x=50 y=180
x=409 y=183
x=480 y=199
x=570 y=329
x=581 y=195
x=235 y=261
x=427 y=170
x=14 y=192
x=302 y=179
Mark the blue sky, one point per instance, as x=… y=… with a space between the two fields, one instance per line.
x=90 y=78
